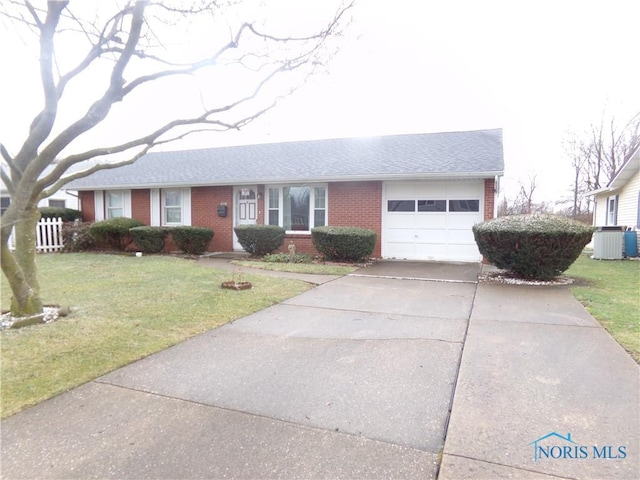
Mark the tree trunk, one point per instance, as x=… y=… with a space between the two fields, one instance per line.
x=19 y=266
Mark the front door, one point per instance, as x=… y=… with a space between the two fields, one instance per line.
x=246 y=209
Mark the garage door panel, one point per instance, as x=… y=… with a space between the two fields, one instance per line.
x=463 y=253
x=400 y=251
x=461 y=220
x=400 y=220
x=432 y=221
x=433 y=251
x=464 y=237
x=399 y=235
x=433 y=235
x=460 y=189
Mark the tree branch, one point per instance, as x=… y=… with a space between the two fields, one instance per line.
x=6 y=179
x=151 y=139
x=43 y=123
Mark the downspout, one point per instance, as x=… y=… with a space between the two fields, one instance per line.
x=496 y=192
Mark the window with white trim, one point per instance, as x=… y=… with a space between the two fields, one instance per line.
x=4 y=203
x=114 y=204
x=297 y=208
x=612 y=210
x=172 y=207
x=57 y=203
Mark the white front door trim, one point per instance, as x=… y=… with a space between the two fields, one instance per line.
x=245 y=209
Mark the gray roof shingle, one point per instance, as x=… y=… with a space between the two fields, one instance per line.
x=431 y=155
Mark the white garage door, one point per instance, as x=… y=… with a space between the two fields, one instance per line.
x=432 y=220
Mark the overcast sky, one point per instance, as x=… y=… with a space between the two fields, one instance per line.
x=534 y=69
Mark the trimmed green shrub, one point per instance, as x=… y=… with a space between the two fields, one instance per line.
x=114 y=231
x=192 y=240
x=149 y=239
x=66 y=214
x=76 y=236
x=537 y=246
x=259 y=240
x=346 y=244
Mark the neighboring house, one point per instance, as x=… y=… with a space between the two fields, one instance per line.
x=421 y=193
x=62 y=198
x=619 y=202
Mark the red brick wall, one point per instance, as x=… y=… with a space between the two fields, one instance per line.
x=489 y=197
x=357 y=204
x=141 y=205
x=87 y=206
x=350 y=204
x=204 y=213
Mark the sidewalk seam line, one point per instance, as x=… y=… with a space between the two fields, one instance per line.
x=287 y=303
x=509 y=466
x=456 y=379
x=393 y=277
x=597 y=327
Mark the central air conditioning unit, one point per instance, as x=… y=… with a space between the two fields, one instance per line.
x=608 y=243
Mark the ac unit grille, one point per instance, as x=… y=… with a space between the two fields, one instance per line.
x=608 y=245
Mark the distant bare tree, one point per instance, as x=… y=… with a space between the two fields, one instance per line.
x=598 y=154
x=524 y=202
x=131 y=45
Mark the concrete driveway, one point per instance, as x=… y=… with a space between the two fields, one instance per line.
x=353 y=378
x=356 y=378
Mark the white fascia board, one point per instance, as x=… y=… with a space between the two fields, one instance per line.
x=282 y=180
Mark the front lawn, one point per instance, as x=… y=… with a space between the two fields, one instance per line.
x=610 y=289
x=123 y=308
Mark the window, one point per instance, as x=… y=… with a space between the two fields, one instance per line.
x=172 y=207
x=432 y=205
x=464 y=205
x=4 y=203
x=274 y=206
x=115 y=204
x=57 y=203
x=320 y=207
x=612 y=210
x=297 y=208
x=401 y=206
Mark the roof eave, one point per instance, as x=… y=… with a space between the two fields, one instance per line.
x=321 y=179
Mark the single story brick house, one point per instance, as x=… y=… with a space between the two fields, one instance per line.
x=421 y=193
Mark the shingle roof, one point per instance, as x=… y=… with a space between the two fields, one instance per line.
x=474 y=153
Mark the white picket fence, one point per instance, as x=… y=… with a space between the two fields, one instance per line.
x=48 y=236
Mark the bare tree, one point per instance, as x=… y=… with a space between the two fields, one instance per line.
x=253 y=63
x=598 y=154
x=524 y=202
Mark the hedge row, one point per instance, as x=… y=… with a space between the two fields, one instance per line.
x=121 y=232
x=66 y=214
x=260 y=240
x=346 y=244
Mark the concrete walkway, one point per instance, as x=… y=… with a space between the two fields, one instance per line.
x=402 y=370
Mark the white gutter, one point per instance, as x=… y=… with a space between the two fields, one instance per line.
x=353 y=178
